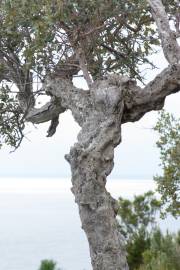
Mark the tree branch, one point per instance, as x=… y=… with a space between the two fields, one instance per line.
x=139 y=101
x=46 y=113
x=13 y=71
x=82 y=61
x=64 y=96
x=170 y=46
x=77 y=100
x=52 y=129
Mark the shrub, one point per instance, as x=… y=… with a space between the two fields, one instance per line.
x=47 y=265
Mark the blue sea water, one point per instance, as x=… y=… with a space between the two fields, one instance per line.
x=39 y=220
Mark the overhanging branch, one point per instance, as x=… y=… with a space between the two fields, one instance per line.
x=64 y=96
x=45 y=113
x=152 y=97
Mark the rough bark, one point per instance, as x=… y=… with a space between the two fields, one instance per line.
x=91 y=161
x=139 y=101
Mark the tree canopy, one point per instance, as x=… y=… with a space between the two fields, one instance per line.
x=60 y=38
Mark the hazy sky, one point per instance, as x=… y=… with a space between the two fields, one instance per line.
x=136 y=157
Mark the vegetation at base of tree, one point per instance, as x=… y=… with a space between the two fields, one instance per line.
x=163 y=252
x=48 y=265
x=138 y=213
x=135 y=217
x=147 y=247
x=168 y=128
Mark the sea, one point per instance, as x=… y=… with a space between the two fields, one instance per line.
x=39 y=220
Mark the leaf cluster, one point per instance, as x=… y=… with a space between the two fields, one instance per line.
x=27 y=32
x=11 y=122
x=163 y=252
x=138 y=213
x=147 y=248
x=168 y=143
x=137 y=216
x=48 y=265
x=116 y=36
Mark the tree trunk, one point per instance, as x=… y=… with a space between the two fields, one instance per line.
x=91 y=161
x=97 y=211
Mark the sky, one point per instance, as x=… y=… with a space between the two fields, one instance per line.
x=135 y=158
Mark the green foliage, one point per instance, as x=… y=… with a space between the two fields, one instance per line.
x=163 y=253
x=138 y=214
x=26 y=30
x=136 y=217
x=11 y=122
x=169 y=145
x=136 y=246
x=48 y=265
x=115 y=35
x=147 y=248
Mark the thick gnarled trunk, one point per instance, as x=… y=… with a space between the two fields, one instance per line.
x=91 y=161
x=97 y=211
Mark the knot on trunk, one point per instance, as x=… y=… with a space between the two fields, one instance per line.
x=110 y=94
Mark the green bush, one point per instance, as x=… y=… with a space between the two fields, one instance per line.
x=147 y=247
x=163 y=253
x=47 y=265
x=136 y=246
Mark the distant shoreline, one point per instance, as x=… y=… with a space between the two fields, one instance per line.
x=117 y=187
